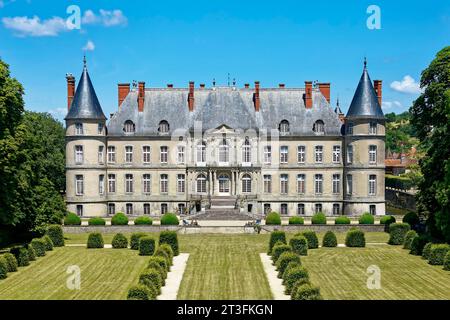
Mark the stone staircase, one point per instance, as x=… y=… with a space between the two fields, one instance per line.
x=223 y=208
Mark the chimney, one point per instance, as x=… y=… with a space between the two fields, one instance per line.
x=256 y=101
x=308 y=94
x=141 y=96
x=324 y=88
x=70 y=89
x=246 y=86
x=191 y=96
x=281 y=85
x=169 y=85
x=123 y=90
x=202 y=85
x=378 y=85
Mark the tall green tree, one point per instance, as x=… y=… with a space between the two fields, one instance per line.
x=431 y=119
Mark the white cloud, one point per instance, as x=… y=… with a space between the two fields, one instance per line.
x=407 y=85
x=107 y=18
x=58 y=112
x=391 y=104
x=90 y=46
x=35 y=27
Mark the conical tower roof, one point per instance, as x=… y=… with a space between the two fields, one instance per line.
x=85 y=104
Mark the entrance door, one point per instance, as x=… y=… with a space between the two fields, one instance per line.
x=224 y=185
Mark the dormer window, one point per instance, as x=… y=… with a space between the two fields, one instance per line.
x=129 y=127
x=163 y=127
x=79 y=129
x=319 y=127
x=284 y=127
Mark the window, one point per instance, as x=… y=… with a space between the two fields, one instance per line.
x=318 y=207
x=336 y=154
x=111 y=154
x=129 y=127
x=267 y=154
x=181 y=208
x=111 y=183
x=372 y=154
x=284 y=154
x=164 y=181
x=101 y=184
x=111 y=209
x=201 y=152
x=373 y=209
x=246 y=152
x=350 y=128
x=336 y=209
x=372 y=185
x=301 y=183
x=180 y=183
x=79 y=185
x=164 y=208
x=100 y=128
x=100 y=154
x=284 y=127
x=180 y=154
x=318 y=183
x=336 y=183
x=163 y=127
x=79 y=210
x=78 y=154
x=79 y=129
x=129 y=208
x=301 y=155
x=129 y=183
x=267 y=183
x=349 y=153
x=164 y=153
x=147 y=183
x=319 y=127
x=349 y=184
x=128 y=154
x=301 y=209
x=201 y=183
x=284 y=209
x=319 y=154
x=267 y=208
x=147 y=208
x=246 y=183
x=284 y=184
x=146 y=154
x=224 y=152
x=372 y=127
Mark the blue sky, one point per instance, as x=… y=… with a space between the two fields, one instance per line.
x=162 y=42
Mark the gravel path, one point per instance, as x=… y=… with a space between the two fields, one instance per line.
x=174 y=277
x=274 y=282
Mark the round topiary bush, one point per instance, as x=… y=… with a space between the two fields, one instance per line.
x=329 y=240
x=171 y=238
x=292 y=276
x=55 y=232
x=38 y=246
x=31 y=253
x=342 y=220
x=409 y=237
x=447 y=261
x=411 y=218
x=284 y=260
x=387 y=220
x=167 y=249
x=276 y=236
x=311 y=237
x=151 y=276
x=155 y=265
x=48 y=243
x=299 y=245
x=143 y=220
x=273 y=218
x=319 y=218
x=72 y=219
x=161 y=253
x=170 y=219
x=366 y=218
x=296 y=220
x=290 y=265
x=297 y=285
x=146 y=246
x=21 y=255
x=119 y=241
x=139 y=292
x=95 y=240
x=397 y=233
x=417 y=245
x=426 y=250
x=3 y=268
x=11 y=262
x=437 y=253
x=96 y=221
x=161 y=261
x=307 y=292
x=355 y=238
x=278 y=249
x=134 y=240
x=119 y=219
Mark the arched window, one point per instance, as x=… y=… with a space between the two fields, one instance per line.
x=129 y=126
x=284 y=127
x=201 y=152
x=246 y=152
x=319 y=127
x=224 y=151
x=201 y=183
x=163 y=127
x=246 y=183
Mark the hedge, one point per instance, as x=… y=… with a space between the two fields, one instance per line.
x=411 y=218
x=319 y=218
x=48 y=243
x=290 y=265
x=278 y=249
x=366 y=218
x=143 y=220
x=296 y=220
x=119 y=219
x=153 y=276
x=297 y=285
x=398 y=182
x=162 y=271
x=355 y=238
x=437 y=254
x=11 y=262
x=167 y=249
x=171 y=238
x=397 y=233
x=170 y=219
x=39 y=247
x=329 y=240
x=276 y=236
x=307 y=292
x=426 y=250
x=409 y=237
x=161 y=253
x=31 y=253
x=95 y=240
x=146 y=246
x=311 y=237
x=3 y=268
x=21 y=255
x=417 y=245
x=96 y=221
x=447 y=261
x=55 y=232
x=342 y=220
x=292 y=276
x=161 y=261
x=387 y=220
x=273 y=218
x=72 y=219
x=284 y=260
x=119 y=241
x=134 y=240
x=139 y=292
x=299 y=245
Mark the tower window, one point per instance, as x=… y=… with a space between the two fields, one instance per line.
x=100 y=128
x=79 y=129
x=349 y=154
x=79 y=185
x=372 y=127
x=372 y=184
x=78 y=154
x=372 y=154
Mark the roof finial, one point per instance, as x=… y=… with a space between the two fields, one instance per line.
x=365 y=63
x=84 y=60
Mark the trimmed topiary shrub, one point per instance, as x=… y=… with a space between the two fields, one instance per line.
x=417 y=245
x=411 y=218
x=167 y=249
x=342 y=220
x=307 y=292
x=329 y=240
x=48 y=243
x=143 y=220
x=119 y=219
x=31 y=253
x=426 y=250
x=95 y=240
x=161 y=253
x=366 y=218
x=151 y=276
x=397 y=233
x=290 y=265
x=38 y=246
x=278 y=249
x=72 y=219
x=387 y=220
x=292 y=276
x=437 y=253
x=11 y=262
x=134 y=240
x=297 y=285
x=296 y=220
x=299 y=245
x=161 y=261
x=146 y=246
x=139 y=292
x=409 y=237
x=21 y=255
x=119 y=241
x=447 y=261
x=284 y=260
x=273 y=218
x=55 y=232
x=155 y=265
x=170 y=219
x=319 y=218
x=276 y=236
x=171 y=238
x=355 y=238
x=311 y=237
x=96 y=221
x=3 y=268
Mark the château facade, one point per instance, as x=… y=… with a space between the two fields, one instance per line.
x=177 y=149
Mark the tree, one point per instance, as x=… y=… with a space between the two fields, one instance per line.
x=431 y=119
